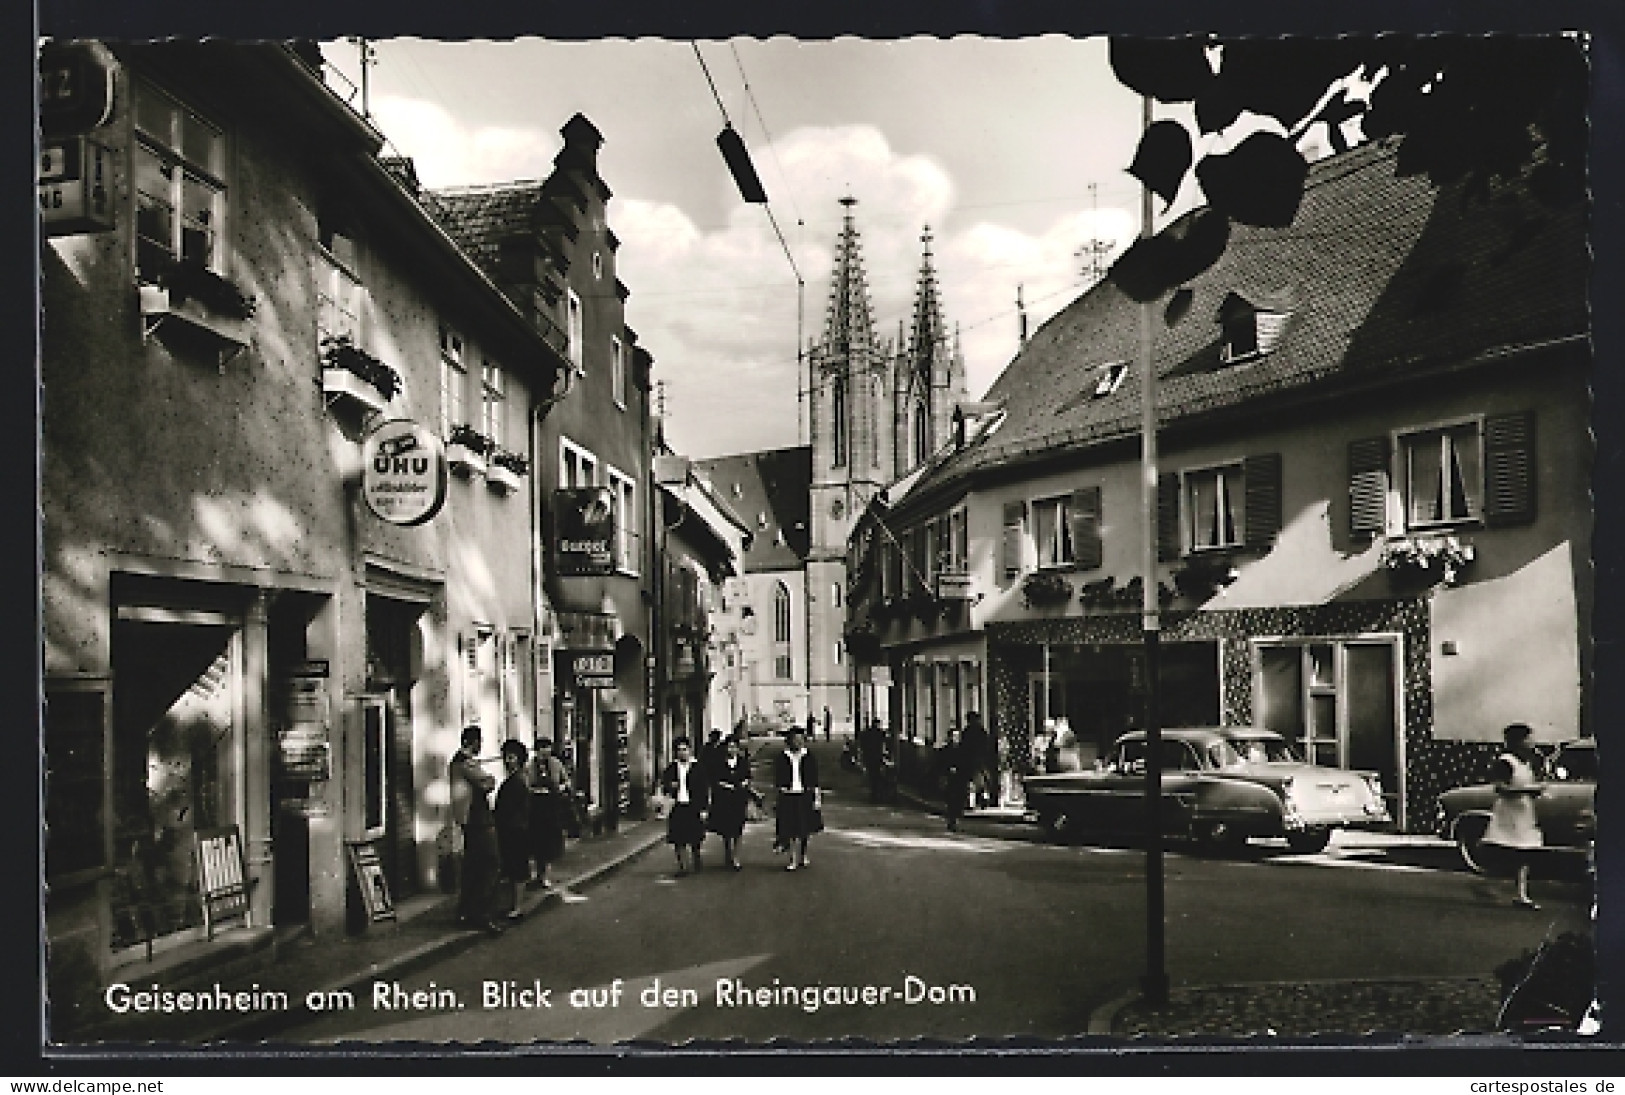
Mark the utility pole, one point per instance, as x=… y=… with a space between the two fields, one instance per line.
x=1155 y=984
x=369 y=57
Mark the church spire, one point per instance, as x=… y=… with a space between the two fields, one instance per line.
x=928 y=336
x=849 y=322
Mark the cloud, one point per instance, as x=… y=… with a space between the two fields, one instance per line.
x=718 y=308
x=448 y=153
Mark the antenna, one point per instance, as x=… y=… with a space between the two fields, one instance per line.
x=369 y=57
x=1095 y=250
x=1021 y=315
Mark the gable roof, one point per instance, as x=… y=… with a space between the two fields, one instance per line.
x=1383 y=276
x=481 y=217
x=772 y=492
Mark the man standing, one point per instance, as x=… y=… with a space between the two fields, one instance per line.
x=471 y=809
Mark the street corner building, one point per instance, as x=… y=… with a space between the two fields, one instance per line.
x=310 y=434
x=1373 y=520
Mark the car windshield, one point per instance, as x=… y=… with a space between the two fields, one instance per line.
x=1263 y=750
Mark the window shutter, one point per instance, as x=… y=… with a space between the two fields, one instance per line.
x=1014 y=512
x=1509 y=468
x=1368 y=487
x=1083 y=513
x=1261 y=476
x=1168 y=545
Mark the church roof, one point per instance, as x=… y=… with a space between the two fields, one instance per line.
x=849 y=321
x=1379 y=277
x=771 y=491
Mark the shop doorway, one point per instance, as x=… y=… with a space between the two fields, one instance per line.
x=389 y=802
x=177 y=764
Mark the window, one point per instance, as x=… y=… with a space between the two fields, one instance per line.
x=1111 y=378
x=180 y=195
x=1051 y=533
x=1216 y=504
x=958 y=541
x=577 y=466
x=839 y=651
x=781 y=631
x=1444 y=475
x=617 y=372
x=922 y=443
x=338 y=289
x=838 y=426
x=1248 y=332
x=452 y=379
x=626 y=518
x=572 y=307
x=597 y=264
x=375 y=772
x=493 y=393
x=835 y=594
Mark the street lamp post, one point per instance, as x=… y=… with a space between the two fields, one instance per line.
x=1155 y=985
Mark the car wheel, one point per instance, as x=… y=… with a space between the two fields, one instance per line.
x=1469 y=833
x=1309 y=842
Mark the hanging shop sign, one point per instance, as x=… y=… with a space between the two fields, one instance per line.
x=75 y=89
x=584 y=531
x=593 y=669
x=73 y=187
x=403 y=472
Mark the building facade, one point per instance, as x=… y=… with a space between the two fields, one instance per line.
x=254 y=681
x=1373 y=516
x=549 y=246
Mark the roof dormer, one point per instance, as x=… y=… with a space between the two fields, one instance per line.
x=1250 y=331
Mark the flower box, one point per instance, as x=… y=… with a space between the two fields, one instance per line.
x=1046 y=589
x=161 y=306
x=344 y=386
x=1429 y=558
x=464 y=460
x=501 y=479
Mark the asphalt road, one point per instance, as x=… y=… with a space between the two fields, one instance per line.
x=907 y=932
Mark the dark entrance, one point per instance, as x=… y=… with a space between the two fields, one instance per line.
x=389 y=805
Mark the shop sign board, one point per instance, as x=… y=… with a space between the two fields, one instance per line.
x=584 y=531
x=593 y=669
x=73 y=187
x=403 y=472
x=367 y=868
x=953 y=586
x=75 y=89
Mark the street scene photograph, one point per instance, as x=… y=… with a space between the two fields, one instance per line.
x=845 y=543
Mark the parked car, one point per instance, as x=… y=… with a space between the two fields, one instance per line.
x=1566 y=808
x=1220 y=786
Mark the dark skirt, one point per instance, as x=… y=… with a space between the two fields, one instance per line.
x=547 y=825
x=797 y=818
x=684 y=825
x=513 y=853
x=727 y=813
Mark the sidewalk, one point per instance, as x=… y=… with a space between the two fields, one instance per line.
x=425 y=932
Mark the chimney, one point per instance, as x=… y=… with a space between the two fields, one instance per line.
x=1021 y=314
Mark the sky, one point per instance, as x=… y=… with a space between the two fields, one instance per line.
x=1012 y=151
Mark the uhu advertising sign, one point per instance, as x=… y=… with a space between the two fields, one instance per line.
x=403 y=472
x=584 y=531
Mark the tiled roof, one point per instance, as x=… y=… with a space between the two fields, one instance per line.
x=479 y=218
x=1382 y=276
x=771 y=492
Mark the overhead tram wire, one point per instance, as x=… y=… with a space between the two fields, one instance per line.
x=801 y=284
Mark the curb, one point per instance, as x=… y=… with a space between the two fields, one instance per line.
x=1104 y=1017
x=445 y=946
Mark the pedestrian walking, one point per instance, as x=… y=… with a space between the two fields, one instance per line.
x=981 y=761
x=513 y=823
x=872 y=750
x=549 y=808
x=471 y=809
x=955 y=767
x=711 y=752
x=1513 y=833
x=684 y=782
x=801 y=800
x=730 y=797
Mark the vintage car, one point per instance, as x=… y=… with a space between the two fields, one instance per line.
x=1565 y=808
x=1220 y=786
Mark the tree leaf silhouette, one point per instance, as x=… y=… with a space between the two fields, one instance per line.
x=1162 y=159
x=1169 y=70
x=1259 y=182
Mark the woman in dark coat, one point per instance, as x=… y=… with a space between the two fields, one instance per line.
x=549 y=803
x=955 y=778
x=684 y=782
x=795 y=775
x=730 y=793
x=513 y=823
